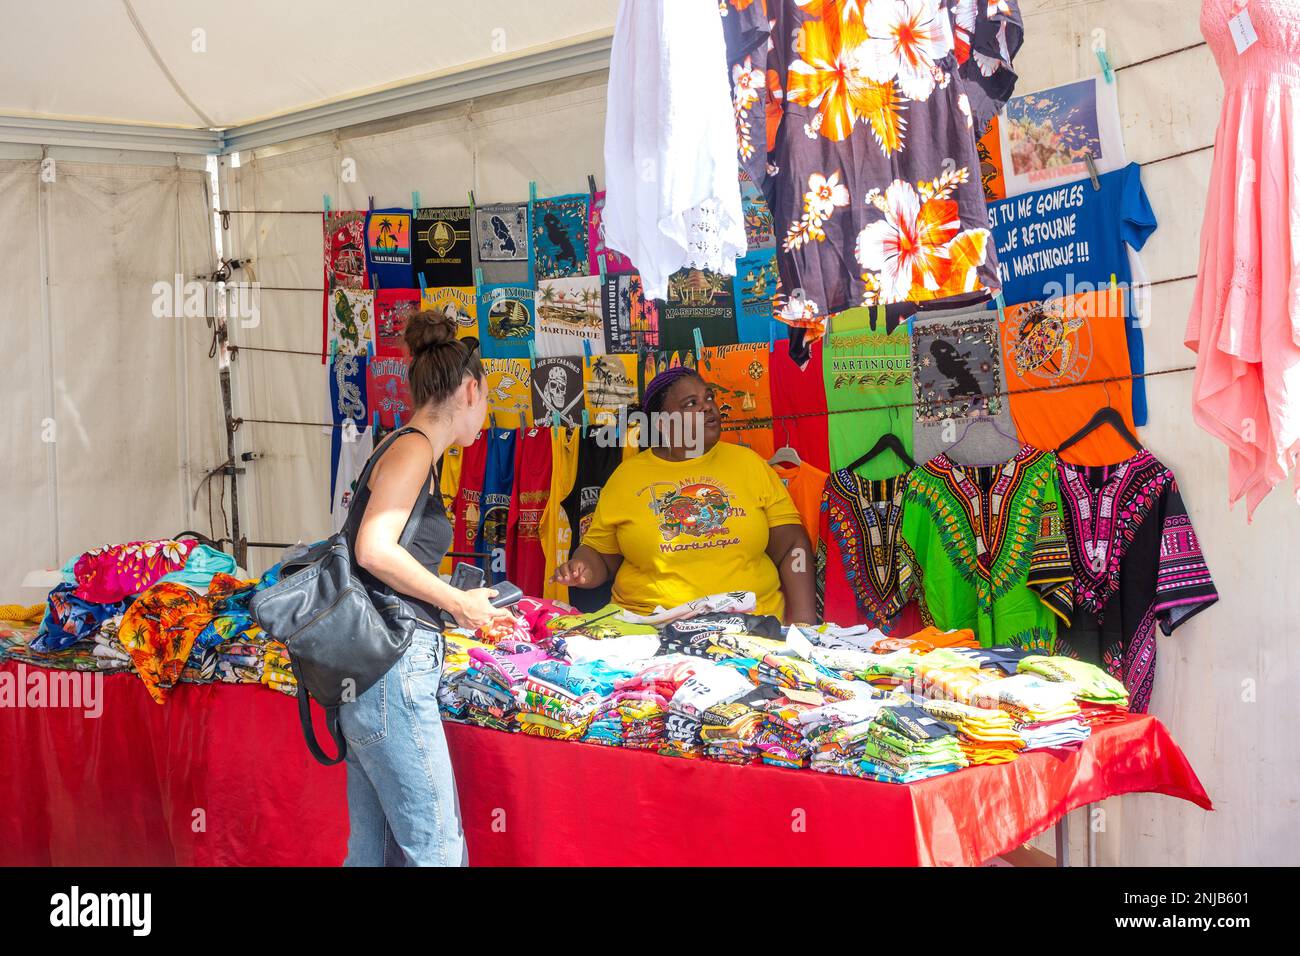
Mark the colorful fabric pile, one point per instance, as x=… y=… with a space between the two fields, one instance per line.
x=986 y=736
x=1046 y=714
x=905 y=742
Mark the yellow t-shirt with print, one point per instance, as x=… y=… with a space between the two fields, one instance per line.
x=690 y=528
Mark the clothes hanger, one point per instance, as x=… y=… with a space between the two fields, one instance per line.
x=990 y=420
x=887 y=442
x=1103 y=416
x=786 y=454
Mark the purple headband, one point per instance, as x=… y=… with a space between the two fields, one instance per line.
x=663 y=381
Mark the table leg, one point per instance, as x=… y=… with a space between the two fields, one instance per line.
x=1063 y=841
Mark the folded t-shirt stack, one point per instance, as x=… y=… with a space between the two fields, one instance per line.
x=1090 y=683
x=629 y=718
x=709 y=685
x=905 y=743
x=835 y=733
x=1046 y=714
x=728 y=732
x=559 y=699
x=780 y=740
x=493 y=684
x=986 y=736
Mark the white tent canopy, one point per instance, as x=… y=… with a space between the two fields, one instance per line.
x=77 y=69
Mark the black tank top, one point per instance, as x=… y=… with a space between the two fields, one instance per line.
x=432 y=538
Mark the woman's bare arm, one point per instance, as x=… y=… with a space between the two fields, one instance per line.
x=791 y=551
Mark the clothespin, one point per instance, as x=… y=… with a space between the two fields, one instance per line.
x=601 y=260
x=1114 y=292
x=1002 y=306
x=371 y=200
x=591 y=184
x=334 y=350
x=1104 y=60
x=699 y=349
x=584 y=421
x=1092 y=169
x=374 y=423
x=586 y=353
x=415 y=202
x=326 y=199
x=532 y=353
x=771 y=338
x=370 y=350
x=555 y=419
x=423 y=287
x=532 y=192
x=374 y=281
x=471 y=201
x=397 y=420
x=478 y=277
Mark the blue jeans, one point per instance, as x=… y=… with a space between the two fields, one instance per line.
x=402 y=804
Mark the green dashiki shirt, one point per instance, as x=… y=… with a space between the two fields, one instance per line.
x=988 y=546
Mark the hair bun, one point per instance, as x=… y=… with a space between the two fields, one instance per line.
x=427 y=329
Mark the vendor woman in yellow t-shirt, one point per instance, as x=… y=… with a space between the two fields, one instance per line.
x=693 y=515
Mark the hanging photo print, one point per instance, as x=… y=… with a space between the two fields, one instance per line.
x=560 y=236
x=557 y=391
x=754 y=286
x=460 y=304
x=568 y=314
x=388 y=248
x=351 y=321
x=345 y=250
x=502 y=232
x=610 y=383
x=506 y=320
x=444 y=254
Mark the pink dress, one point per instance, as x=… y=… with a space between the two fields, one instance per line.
x=1245 y=319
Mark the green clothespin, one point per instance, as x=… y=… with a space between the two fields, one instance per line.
x=471 y=202
x=699 y=350
x=415 y=203
x=1104 y=60
x=771 y=341
x=586 y=353
x=601 y=260
x=478 y=277
x=555 y=419
x=532 y=192
x=584 y=421
x=532 y=353
x=1002 y=306
x=326 y=199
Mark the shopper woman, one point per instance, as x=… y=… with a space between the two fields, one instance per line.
x=678 y=522
x=402 y=806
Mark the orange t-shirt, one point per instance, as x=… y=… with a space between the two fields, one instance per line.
x=1063 y=342
x=805 y=483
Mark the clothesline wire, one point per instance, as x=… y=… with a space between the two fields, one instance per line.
x=1159 y=56
x=741 y=424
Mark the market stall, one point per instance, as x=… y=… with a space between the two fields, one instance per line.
x=174 y=783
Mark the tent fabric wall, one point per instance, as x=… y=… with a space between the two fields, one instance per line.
x=113 y=414
x=1226 y=679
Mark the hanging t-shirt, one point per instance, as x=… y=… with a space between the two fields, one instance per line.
x=509 y=400
x=444 y=252
x=353 y=448
x=557 y=391
x=961 y=404
x=469 y=498
x=609 y=383
x=507 y=320
x=863 y=577
x=799 y=406
x=615 y=262
x=805 y=482
x=392 y=308
x=449 y=486
x=388 y=249
x=459 y=303
x=989 y=546
x=498 y=480
x=388 y=390
x=616 y=307
x=698 y=300
x=502 y=243
x=347 y=406
x=351 y=322
x=560 y=236
x=1068 y=342
x=345 y=250
x=1137 y=565
x=554 y=527
x=525 y=560
x=741 y=388
x=693 y=527
x=865 y=369
x=570 y=316
x=1069 y=239
x=754 y=287
x=596 y=462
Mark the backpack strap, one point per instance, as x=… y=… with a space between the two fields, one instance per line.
x=358 y=509
x=309 y=732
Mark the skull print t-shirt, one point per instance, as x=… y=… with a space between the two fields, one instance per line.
x=692 y=527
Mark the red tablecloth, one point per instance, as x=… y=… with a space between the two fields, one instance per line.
x=220 y=776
